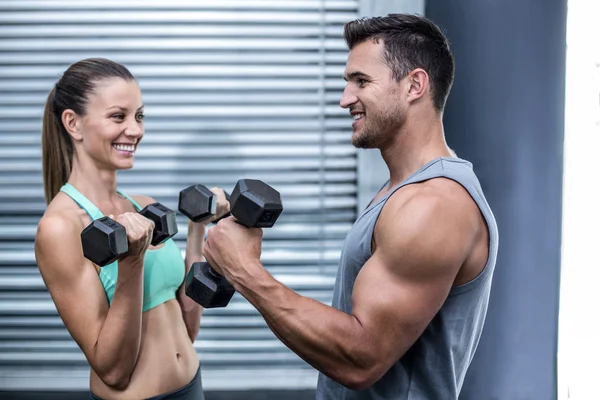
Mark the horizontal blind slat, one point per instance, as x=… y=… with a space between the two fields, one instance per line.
x=170 y=16
x=71 y=5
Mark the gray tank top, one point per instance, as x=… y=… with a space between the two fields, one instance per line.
x=434 y=367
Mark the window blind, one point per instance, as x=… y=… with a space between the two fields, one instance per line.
x=233 y=90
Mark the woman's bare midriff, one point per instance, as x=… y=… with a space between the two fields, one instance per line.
x=167 y=359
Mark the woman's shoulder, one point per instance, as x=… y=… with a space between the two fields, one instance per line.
x=59 y=229
x=61 y=215
x=142 y=200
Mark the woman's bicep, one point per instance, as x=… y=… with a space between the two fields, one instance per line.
x=71 y=280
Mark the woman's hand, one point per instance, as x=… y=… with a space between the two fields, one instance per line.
x=139 y=232
x=223 y=206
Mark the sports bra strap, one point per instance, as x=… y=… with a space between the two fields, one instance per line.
x=89 y=207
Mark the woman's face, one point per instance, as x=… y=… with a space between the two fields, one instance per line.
x=113 y=125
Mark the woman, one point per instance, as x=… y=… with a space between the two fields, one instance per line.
x=135 y=327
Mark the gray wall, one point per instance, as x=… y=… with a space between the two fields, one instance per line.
x=506 y=115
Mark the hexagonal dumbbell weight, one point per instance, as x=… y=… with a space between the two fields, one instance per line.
x=105 y=240
x=254 y=204
x=199 y=203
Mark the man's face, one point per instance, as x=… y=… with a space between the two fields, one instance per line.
x=372 y=96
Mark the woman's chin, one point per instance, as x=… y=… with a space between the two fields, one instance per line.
x=124 y=165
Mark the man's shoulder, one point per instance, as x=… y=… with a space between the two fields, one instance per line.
x=428 y=214
x=435 y=195
x=444 y=191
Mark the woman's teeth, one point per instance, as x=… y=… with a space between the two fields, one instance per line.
x=124 y=147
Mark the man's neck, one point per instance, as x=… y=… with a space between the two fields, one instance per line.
x=413 y=147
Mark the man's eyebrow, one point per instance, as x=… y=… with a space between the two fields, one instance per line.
x=356 y=74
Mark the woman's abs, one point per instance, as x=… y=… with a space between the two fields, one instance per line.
x=167 y=359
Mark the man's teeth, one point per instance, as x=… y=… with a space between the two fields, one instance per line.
x=357 y=116
x=124 y=147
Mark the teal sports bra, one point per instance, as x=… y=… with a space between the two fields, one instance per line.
x=164 y=268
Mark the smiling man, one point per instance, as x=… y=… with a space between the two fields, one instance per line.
x=415 y=272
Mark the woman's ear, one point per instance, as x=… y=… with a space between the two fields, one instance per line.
x=72 y=123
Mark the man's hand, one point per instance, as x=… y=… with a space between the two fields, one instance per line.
x=231 y=248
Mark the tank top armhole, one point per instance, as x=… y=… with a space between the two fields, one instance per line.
x=447 y=170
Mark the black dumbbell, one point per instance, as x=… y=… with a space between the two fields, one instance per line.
x=198 y=203
x=105 y=240
x=254 y=204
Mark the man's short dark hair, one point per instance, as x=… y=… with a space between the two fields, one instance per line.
x=410 y=41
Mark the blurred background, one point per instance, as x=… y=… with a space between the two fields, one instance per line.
x=250 y=89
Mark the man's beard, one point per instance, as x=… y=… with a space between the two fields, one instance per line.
x=378 y=130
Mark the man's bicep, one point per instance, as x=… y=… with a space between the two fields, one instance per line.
x=406 y=281
x=393 y=308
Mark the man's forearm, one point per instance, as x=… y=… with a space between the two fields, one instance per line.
x=330 y=340
x=191 y=310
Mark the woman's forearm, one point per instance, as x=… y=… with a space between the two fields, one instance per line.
x=191 y=310
x=118 y=344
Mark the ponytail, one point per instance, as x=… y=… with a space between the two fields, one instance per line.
x=57 y=151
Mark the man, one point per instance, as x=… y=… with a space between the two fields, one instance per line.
x=415 y=272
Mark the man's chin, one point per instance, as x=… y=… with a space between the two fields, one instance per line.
x=361 y=142
x=361 y=146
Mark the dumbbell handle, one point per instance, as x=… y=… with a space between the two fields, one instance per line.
x=212 y=271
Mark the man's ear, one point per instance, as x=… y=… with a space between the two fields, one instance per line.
x=418 y=84
x=72 y=123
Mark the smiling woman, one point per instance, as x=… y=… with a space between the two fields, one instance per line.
x=67 y=112
x=131 y=317
x=113 y=116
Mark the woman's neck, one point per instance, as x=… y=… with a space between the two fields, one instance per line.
x=98 y=185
